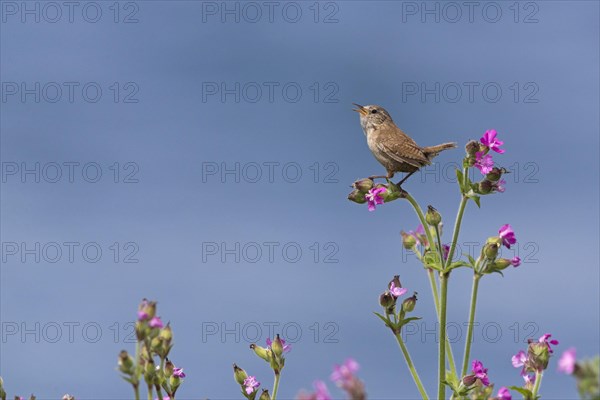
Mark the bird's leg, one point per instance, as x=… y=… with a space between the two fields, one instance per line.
x=405 y=178
x=378 y=177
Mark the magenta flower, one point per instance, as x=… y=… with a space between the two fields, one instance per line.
x=507 y=235
x=529 y=379
x=480 y=372
x=519 y=359
x=567 y=361
x=445 y=251
x=345 y=372
x=178 y=372
x=483 y=162
x=504 y=394
x=142 y=315
x=155 y=323
x=499 y=186
x=544 y=339
x=375 y=197
x=489 y=140
x=516 y=261
x=286 y=347
x=397 y=291
x=321 y=392
x=251 y=385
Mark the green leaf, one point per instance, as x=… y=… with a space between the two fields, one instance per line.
x=460 y=178
x=407 y=320
x=471 y=259
x=457 y=264
x=527 y=395
x=385 y=320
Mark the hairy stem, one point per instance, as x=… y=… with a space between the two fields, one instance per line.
x=411 y=367
x=467 y=353
x=538 y=383
x=275 y=386
x=444 y=276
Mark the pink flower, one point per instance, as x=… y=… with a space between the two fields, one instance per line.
x=519 y=359
x=507 y=235
x=321 y=392
x=397 y=291
x=499 y=186
x=489 y=139
x=178 y=372
x=445 y=250
x=155 y=323
x=251 y=385
x=419 y=234
x=529 y=379
x=483 y=162
x=480 y=372
x=544 y=339
x=567 y=361
x=504 y=394
x=345 y=372
x=374 y=197
x=516 y=261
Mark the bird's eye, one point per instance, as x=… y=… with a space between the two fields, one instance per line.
x=374 y=111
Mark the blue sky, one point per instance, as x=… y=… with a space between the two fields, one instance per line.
x=181 y=155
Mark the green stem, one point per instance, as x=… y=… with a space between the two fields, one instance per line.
x=149 y=391
x=136 y=391
x=444 y=277
x=466 y=355
x=275 y=386
x=434 y=290
x=538 y=383
x=459 y=216
x=436 y=300
x=136 y=385
x=411 y=367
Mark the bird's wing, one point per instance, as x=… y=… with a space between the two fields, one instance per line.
x=400 y=147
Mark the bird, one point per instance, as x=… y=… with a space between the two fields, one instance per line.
x=393 y=148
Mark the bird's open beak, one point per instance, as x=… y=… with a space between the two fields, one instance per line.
x=360 y=109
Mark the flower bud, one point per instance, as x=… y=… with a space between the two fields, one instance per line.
x=166 y=333
x=495 y=174
x=408 y=241
x=169 y=367
x=357 y=196
x=432 y=216
x=2 y=392
x=469 y=380
x=395 y=281
x=490 y=250
x=261 y=352
x=392 y=192
x=485 y=187
x=500 y=264
x=363 y=185
x=264 y=395
x=386 y=300
x=539 y=355
x=239 y=374
x=68 y=397
x=472 y=147
x=277 y=346
x=408 y=305
x=125 y=363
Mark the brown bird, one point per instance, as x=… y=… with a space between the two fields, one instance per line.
x=394 y=149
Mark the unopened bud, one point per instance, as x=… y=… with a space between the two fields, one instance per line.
x=490 y=250
x=386 y=300
x=432 y=216
x=472 y=148
x=539 y=355
x=469 y=380
x=357 y=196
x=408 y=240
x=261 y=352
x=166 y=333
x=485 y=187
x=396 y=282
x=239 y=374
x=495 y=174
x=392 y=193
x=265 y=395
x=363 y=185
x=408 y=305
x=169 y=367
x=277 y=346
x=125 y=363
x=68 y=397
x=2 y=392
x=500 y=264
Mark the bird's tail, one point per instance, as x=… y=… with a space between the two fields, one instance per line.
x=433 y=151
